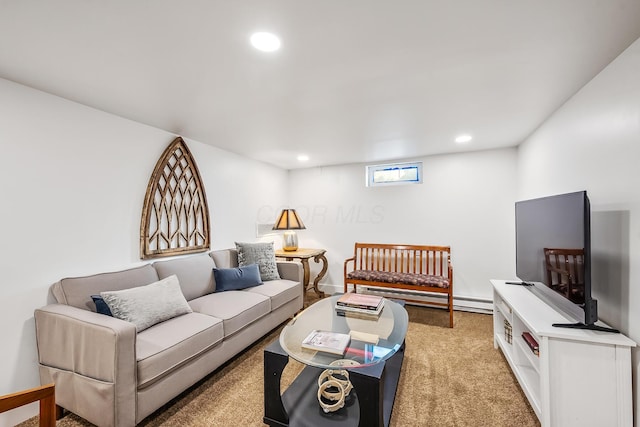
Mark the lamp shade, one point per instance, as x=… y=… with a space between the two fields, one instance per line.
x=288 y=220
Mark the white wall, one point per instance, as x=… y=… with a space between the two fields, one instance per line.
x=73 y=183
x=466 y=202
x=593 y=143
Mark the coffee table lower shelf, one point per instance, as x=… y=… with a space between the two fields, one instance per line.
x=369 y=404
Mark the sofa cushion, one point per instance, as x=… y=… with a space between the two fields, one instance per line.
x=237 y=309
x=235 y=279
x=262 y=254
x=195 y=273
x=428 y=280
x=279 y=291
x=77 y=291
x=165 y=346
x=144 y=306
x=225 y=258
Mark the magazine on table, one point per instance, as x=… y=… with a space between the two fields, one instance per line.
x=327 y=341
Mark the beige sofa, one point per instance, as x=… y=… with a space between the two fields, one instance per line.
x=111 y=375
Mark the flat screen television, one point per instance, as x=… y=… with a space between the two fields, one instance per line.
x=553 y=254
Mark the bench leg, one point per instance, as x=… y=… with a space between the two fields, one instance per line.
x=451 y=310
x=346 y=287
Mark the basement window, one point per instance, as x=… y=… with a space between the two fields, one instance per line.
x=394 y=174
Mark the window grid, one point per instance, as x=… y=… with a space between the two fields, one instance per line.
x=394 y=174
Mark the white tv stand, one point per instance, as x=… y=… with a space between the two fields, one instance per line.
x=579 y=377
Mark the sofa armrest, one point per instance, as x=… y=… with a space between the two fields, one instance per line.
x=92 y=359
x=290 y=270
x=87 y=343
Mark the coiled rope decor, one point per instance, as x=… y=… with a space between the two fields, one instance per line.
x=334 y=385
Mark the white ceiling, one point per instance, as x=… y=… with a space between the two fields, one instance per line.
x=355 y=80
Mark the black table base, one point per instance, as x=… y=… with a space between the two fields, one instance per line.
x=369 y=404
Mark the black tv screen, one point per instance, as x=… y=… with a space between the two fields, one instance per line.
x=553 y=247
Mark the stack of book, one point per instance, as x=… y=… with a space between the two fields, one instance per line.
x=531 y=342
x=367 y=306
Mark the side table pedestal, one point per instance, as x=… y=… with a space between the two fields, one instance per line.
x=304 y=255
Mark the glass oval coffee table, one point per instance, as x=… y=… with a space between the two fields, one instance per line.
x=373 y=359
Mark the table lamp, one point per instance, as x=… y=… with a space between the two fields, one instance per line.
x=289 y=221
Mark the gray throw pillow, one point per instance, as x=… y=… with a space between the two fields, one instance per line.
x=262 y=254
x=144 y=306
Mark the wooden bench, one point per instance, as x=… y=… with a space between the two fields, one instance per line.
x=408 y=267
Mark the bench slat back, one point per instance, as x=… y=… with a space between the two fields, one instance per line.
x=415 y=259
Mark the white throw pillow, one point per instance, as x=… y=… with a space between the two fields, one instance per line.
x=144 y=306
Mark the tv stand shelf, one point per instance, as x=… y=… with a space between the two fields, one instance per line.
x=578 y=378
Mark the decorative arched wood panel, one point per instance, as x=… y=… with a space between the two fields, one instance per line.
x=175 y=215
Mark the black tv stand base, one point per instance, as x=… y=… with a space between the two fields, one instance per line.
x=583 y=326
x=519 y=283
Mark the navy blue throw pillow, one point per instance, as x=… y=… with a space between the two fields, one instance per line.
x=233 y=279
x=101 y=306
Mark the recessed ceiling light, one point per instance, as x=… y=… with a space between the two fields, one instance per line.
x=463 y=138
x=265 y=42
x=303 y=158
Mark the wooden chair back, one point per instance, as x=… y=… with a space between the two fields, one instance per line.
x=44 y=394
x=565 y=271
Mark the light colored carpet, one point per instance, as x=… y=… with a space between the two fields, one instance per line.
x=450 y=377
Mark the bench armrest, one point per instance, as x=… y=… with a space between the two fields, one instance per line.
x=348 y=260
x=346 y=263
